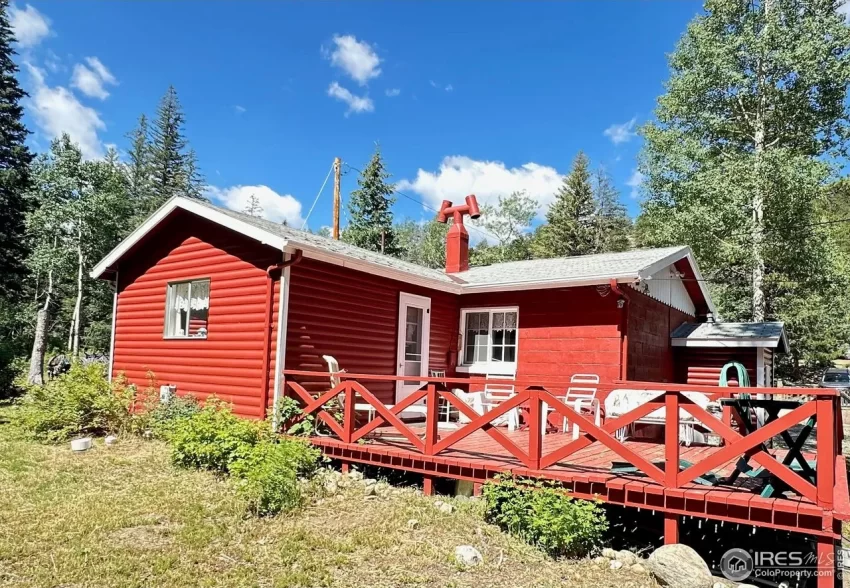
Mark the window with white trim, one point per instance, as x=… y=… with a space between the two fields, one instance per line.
x=489 y=339
x=187 y=308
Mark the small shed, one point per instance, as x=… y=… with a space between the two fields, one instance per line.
x=702 y=349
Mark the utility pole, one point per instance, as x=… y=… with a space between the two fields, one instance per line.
x=337 y=166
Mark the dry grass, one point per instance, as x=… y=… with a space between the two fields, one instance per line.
x=122 y=516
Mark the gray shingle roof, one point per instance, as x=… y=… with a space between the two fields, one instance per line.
x=754 y=332
x=584 y=267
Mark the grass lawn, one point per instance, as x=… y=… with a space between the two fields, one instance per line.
x=123 y=516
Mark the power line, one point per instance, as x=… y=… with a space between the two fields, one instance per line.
x=424 y=205
x=304 y=224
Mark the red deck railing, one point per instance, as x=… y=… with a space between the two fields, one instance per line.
x=830 y=484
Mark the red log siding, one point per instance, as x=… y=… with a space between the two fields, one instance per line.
x=650 y=353
x=561 y=331
x=229 y=362
x=353 y=316
x=702 y=365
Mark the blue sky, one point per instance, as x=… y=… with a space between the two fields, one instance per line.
x=463 y=97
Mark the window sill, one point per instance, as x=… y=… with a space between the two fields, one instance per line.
x=496 y=369
x=183 y=338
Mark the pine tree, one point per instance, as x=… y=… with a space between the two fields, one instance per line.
x=569 y=228
x=15 y=159
x=174 y=169
x=253 y=207
x=612 y=226
x=370 y=210
x=139 y=168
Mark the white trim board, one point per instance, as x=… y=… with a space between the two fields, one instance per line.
x=282 y=328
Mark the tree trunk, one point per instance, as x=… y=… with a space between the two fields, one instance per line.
x=78 y=305
x=759 y=303
x=36 y=372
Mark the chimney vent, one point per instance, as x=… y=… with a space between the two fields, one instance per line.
x=457 y=239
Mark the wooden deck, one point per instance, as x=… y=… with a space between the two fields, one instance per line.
x=664 y=476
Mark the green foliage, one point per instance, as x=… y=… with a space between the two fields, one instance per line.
x=752 y=125
x=570 y=220
x=213 y=437
x=267 y=474
x=15 y=159
x=423 y=243
x=509 y=222
x=161 y=418
x=612 y=226
x=81 y=402
x=544 y=516
x=288 y=412
x=370 y=213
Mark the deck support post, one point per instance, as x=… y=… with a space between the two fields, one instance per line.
x=825 y=450
x=671 y=528
x=671 y=440
x=345 y=467
x=476 y=488
x=428 y=485
x=535 y=429
x=432 y=419
x=827 y=563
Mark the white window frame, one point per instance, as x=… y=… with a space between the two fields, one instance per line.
x=170 y=288
x=489 y=366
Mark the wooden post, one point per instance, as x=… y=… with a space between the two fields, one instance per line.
x=432 y=420
x=827 y=563
x=476 y=488
x=535 y=431
x=826 y=450
x=345 y=467
x=428 y=485
x=671 y=439
x=348 y=413
x=671 y=528
x=337 y=166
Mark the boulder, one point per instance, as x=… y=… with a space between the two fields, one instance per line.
x=638 y=568
x=447 y=508
x=627 y=557
x=355 y=475
x=467 y=555
x=679 y=566
x=369 y=482
x=615 y=564
x=369 y=490
x=110 y=440
x=609 y=553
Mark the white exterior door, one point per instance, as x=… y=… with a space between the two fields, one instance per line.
x=414 y=331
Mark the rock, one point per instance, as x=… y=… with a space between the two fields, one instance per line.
x=679 y=566
x=446 y=508
x=720 y=585
x=600 y=560
x=369 y=490
x=110 y=440
x=412 y=524
x=615 y=564
x=609 y=553
x=330 y=486
x=438 y=503
x=467 y=555
x=638 y=568
x=355 y=475
x=627 y=557
x=369 y=482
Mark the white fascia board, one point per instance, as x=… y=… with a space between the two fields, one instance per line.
x=206 y=212
x=545 y=284
x=681 y=342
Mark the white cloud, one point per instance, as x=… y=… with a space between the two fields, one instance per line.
x=634 y=182
x=276 y=207
x=356 y=104
x=239 y=109
x=356 y=58
x=459 y=176
x=393 y=92
x=93 y=78
x=57 y=110
x=845 y=9
x=29 y=25
x=621 y=133
x=449 y=88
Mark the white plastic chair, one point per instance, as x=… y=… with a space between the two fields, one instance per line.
x=496 y=393
x=335 y=371
x=582 y=398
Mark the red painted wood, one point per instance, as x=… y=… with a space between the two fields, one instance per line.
x=671 y=528
x=650 y=352
x=671 y=440
x=432 y=419
x=229 y=362
x=535 y=424
x=841 y=498
x=826 y=564
x=702 y=365
x=826 y=408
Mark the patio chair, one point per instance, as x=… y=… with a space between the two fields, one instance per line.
x=496 y=393
x=334 y=371
x=583 y=400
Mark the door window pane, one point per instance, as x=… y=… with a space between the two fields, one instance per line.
x=413 y=343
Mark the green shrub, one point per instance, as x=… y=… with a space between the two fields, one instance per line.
x=161 y=417
x=544 y=516
x=80 y=402
x=212 y=437
x=267 y=474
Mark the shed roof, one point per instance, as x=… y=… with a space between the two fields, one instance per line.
x=626 y=267
x=770 y=335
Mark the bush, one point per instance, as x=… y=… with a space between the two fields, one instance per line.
x=268 y=473
x=160 y=418
x=80 y=402
x=213 y=437
x=544 y=516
